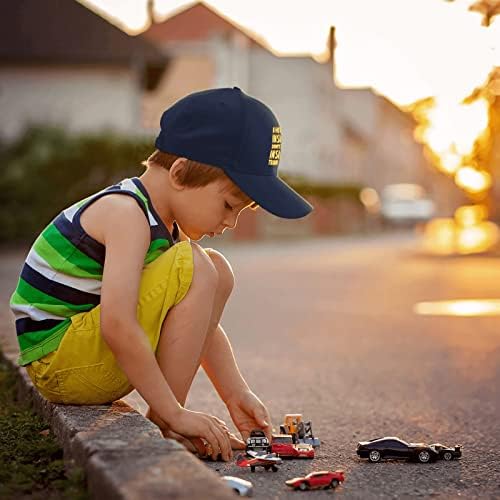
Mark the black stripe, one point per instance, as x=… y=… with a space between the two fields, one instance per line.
x=163 y=231
x=90 y=248
x=57 y=290
x=25 y=325
x=157 y=232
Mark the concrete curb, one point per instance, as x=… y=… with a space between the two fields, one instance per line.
x=123 y=454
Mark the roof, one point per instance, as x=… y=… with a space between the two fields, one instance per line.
x=198 y=22
x=65 y=31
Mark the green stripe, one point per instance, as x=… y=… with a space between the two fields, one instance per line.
x=156 y=248
x=158 y=243
x=53 y=247
x=59 y=262
x=138 y=192
x=30 y=339
x=27 y=294
x=47 y=346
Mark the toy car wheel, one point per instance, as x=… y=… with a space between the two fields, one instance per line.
x=424 y=456
x=303 y=486
x=252 y=468
x=447 y=456
x=334 y=483
x=267 y=467
x=274 y=468
x=374 y=456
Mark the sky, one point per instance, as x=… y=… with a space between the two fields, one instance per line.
x=404 y=49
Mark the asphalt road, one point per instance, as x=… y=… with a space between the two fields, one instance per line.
x=326 y=328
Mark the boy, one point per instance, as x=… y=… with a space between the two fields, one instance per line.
x=114 y=295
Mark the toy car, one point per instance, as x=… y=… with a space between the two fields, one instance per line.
x=258 y=442
x=300 y=431
x=446 y=452
x=284 y=447
x=394 y=447
x=254 y=459
x=315 y=480
x=240 y=486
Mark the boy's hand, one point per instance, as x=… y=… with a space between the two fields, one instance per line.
x=193 y=424
x=249 y=413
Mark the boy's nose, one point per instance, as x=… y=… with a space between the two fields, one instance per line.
x=230 y=222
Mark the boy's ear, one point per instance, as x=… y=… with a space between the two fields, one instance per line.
x=175 y=173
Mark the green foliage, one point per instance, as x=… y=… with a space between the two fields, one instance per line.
x=47 y=170
x=30 y=458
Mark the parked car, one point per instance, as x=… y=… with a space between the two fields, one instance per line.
x=258 y=442
x=406 y=204
x=284 y=447
x=315 y=480
x=268 y=461
x=446 y=452
x=240 y=486
x=394 y=447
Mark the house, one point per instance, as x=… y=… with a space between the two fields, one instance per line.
x=206 y=49
x=378 y=148
x=352 y=136
x=62 y=64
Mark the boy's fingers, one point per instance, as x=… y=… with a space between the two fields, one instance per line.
x=199 y=446
x=236 y=443
x=224 y=443
x=213 y=444
x=221 y=422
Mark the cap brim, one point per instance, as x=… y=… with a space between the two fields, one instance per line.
x=272 y=194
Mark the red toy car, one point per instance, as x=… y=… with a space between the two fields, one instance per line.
x=268 y=461
x=315 y=480
x=283 y=446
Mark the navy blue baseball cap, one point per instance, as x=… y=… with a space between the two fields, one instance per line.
x=228 y=129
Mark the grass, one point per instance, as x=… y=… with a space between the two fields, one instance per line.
x=31 y=461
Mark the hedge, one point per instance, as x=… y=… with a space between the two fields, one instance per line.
x=47 y=169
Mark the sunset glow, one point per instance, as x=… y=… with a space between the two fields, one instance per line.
x=404 y=49
x=479 y=307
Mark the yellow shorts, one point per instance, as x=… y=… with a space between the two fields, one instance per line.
x=83 y=370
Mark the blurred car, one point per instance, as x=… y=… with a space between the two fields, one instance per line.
x=406 y=204
x=394 y=447
x=240 y=486
x=315 y=480
x=447 y=452
x=284 y=447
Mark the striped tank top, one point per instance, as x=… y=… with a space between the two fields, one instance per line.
x=62 y=274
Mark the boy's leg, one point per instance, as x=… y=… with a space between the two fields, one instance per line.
x=186 y=330
x=185 y=327
x=225 y=286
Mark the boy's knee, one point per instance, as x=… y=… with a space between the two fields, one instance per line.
x=224 y=270
x=204 y=268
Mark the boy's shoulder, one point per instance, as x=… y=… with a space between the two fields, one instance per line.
x=112 y=213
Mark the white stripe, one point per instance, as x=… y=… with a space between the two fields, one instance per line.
x=71 y=211
x=29 y=311
x=129 y=185
x=88 y=285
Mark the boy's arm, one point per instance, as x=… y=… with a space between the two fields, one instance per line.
x=246 y=409
x=120 y=329
x=220 y=365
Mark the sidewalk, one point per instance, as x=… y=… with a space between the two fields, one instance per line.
x=123 y=454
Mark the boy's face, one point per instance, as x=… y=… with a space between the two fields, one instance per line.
x=211 y=209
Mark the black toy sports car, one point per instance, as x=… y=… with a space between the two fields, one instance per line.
x=394 y=447
x=446 y=452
